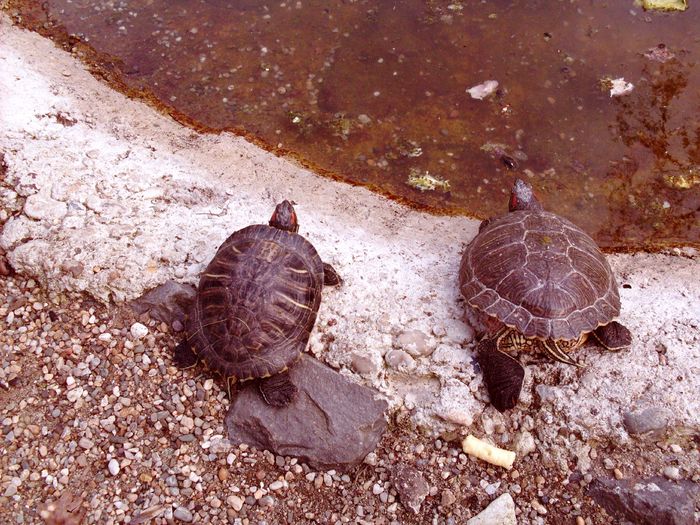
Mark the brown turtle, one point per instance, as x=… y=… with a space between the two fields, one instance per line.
x=256 y=306
x=537 y=282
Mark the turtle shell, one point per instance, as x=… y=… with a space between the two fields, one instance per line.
x=540 y=274
x=256 y=303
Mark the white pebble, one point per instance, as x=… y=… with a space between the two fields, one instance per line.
x=113 y=467
x=672 y=473
x=276 y=485
x=138 y=331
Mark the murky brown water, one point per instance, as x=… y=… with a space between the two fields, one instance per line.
x=375 y=93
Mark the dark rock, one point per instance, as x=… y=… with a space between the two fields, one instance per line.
x=332 y=423
x=654 y=501
x=5 y=267
x=167 y=303
x=410 y=485
x=652 y=420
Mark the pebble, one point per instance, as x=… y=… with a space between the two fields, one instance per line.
x=399 y=358
x=672 y=472
x=276 y=485
x=113 y=467
x=235 y=502
x=183 y=514
x=138 y=331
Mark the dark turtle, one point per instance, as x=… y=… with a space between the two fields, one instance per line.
x=537 y=282
x=256 y=306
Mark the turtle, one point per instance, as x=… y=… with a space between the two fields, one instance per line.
x=256 y=305
x=536 y=282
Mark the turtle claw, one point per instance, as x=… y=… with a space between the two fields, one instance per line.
x=278 y=391
x=503 y=375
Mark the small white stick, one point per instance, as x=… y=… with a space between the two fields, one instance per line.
x=482 y=450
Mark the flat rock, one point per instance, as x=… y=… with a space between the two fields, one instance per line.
x=333 y=423
x=651 y=420
x=654 y=501
x=167 y=302
x=411 y=486
x=500 y=511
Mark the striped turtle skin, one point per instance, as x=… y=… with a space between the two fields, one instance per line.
x=539 y=274
x=257 y=303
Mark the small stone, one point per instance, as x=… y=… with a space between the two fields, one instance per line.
x=448 y=498
x=414 y=342
x=85 y=443
x=113 y=467
x=672 y=472
x=138 y=331
x=234 y=502
x=276 y=485
x=652 y=420
x=580 y=521
x=362 y=364
x=266 y=501
x=399 y=358
x=183 y=514
x=411 y=486
x=524 y=443
x=377 y=489
x=222 y=474
x=500 y=511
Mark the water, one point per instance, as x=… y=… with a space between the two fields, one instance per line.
x=374 y=92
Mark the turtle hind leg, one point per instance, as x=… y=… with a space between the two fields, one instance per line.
x=278 y=390
x=184 y=356
x=330 y=276
x=503 y=375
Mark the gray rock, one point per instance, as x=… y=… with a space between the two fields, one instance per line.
x=167 y=302
x=332 y=423
x=500 y=511
x=411 y=486
x=183 y=514
x=653 y=420
x=362 y=364
x=654 y=501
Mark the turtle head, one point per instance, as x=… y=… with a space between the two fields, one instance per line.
x=522 y=197
x=284 y=217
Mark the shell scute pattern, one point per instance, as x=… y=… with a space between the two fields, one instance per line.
x=540 y=274
x=257 y=303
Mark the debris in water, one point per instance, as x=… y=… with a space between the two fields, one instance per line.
x=482 y=91
x=427 y=182
x=617 y=86
x=659 y=53
x=665 y=5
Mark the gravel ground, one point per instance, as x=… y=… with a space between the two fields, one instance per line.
x=91 y=407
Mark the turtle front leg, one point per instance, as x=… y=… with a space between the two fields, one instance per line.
x=185 y=356
x=278 y=390
x=330 y=276
x=555 y=351
x=503 y=375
